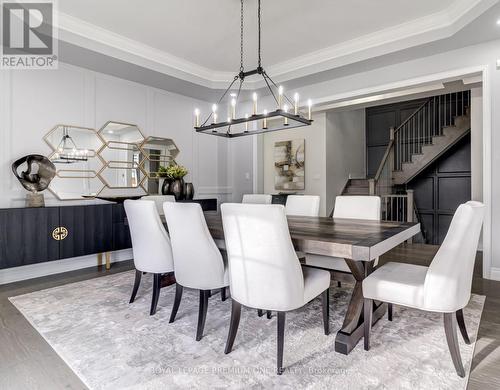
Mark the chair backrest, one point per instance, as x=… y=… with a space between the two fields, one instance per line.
x=257 y=198
x=198 y=262
x=150 y=241
x=357 y=207
x=264 y=271
x=449 y=278
x=302 y=205
x=159 y=200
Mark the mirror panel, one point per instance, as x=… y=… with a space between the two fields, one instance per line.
x=76 y=160
x=118 y=135
x=122 y=155
x=158 y=152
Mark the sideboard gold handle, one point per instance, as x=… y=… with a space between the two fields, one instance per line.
x=59 y=233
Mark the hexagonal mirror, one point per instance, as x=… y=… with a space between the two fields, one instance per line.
x=117 y=174
x=76 y=187
x=158 y=152
x=73 y=143
x=117 y=134
x=76 y=160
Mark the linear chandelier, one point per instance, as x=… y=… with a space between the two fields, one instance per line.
x=67 y=152
x=286 y=114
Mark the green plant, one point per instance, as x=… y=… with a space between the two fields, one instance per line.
x=175 y=171
x=163 y=171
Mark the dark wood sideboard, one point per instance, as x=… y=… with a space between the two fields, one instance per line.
x=37 y=235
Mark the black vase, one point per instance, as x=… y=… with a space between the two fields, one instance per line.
x=188 y=191
x=177 y=189
x=165 y=187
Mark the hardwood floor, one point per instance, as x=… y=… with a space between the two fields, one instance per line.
x=28 y=362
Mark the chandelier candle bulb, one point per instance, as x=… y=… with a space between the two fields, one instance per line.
x=240 y=123
x=214 y=113
x=309 y=109
x=285 y=108
x=197 y=117
x=233 y=108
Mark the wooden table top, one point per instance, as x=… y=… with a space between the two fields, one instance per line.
x=362 y=240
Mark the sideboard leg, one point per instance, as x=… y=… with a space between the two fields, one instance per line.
x=108 y=260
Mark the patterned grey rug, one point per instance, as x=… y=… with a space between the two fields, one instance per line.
x=110 y=344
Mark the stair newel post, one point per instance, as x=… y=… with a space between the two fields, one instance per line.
x=409 y=209
x=371 y=186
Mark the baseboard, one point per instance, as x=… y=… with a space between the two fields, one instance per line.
x=10 y=275
x=495 y=273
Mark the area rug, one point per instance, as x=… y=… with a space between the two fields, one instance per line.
x=111 y=344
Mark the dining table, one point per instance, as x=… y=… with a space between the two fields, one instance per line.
x=359 y=242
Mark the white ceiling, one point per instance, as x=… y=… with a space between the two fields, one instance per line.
x=198 y=40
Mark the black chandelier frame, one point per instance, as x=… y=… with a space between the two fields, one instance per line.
x=290 y=120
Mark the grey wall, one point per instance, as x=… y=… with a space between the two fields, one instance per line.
x=345 y=151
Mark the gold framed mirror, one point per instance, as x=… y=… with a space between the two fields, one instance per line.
x=75 y=155
x=122 y=172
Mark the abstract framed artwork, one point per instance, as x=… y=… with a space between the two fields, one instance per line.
x=289 y=165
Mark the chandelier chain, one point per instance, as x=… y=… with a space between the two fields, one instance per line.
x=241 y=39
x=260 y=27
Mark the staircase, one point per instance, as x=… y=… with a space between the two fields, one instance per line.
x=436 y=126
x=432 y=130
x=357 y=187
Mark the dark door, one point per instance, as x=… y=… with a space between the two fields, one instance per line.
x=441 y=188
x=26 y=236
x=90 y=230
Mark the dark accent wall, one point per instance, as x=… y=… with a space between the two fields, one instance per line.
x=441 y=188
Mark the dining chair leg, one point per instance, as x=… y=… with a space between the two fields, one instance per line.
x=281 y=341
x=156 y=293
x=260 y=312
x=461 y=326
x=269 y=314
x=450 y=329
x=137 y=282
x=177 y=302
x=325 y=301
x=233 y=326
x=368 y=311
x=389 y=311
x=202 y=313
x=223 y=294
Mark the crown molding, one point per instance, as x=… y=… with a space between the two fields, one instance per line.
x=433 y=27
x=92 y=37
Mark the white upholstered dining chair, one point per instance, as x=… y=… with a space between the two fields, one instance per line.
x=443 y=287
x=150 y=245
x=302 y=205
x=159 y=200
x=198 y=262
x=264 y=271
x=350 y=207
x=257 y=198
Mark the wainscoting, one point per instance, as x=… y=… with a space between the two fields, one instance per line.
x=32 y=102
